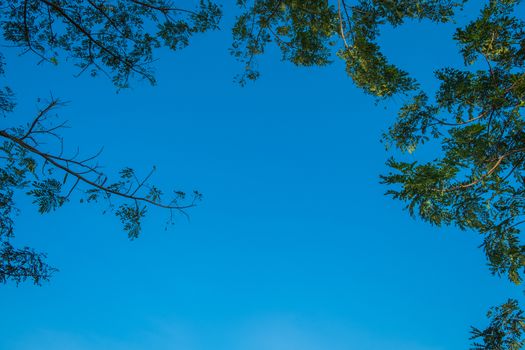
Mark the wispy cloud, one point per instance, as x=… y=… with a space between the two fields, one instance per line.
x=275 y=332
x=165 y=338
x=291 y=333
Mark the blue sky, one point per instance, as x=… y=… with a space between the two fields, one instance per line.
x=294 y=245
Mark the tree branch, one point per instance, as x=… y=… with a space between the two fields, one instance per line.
x=55 y=161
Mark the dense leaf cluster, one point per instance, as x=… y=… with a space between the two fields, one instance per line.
x=473 y=124
x=303 y=30
x=476 y=181
x=306 y=32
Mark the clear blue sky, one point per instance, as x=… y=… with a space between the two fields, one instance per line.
x=294 y=247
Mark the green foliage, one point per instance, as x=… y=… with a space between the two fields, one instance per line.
x=306 y=33
x=303 y=30
x=114 y=37
x=476 y=182
x=472 y=124
x=496 y=35
x=47 y=195
x=475 y=129
x=505 y=331
x=130 y=216
x=23 y=153
x=6 y=94
x=18 y=265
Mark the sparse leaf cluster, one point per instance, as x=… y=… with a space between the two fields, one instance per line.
x=53 y=179
x=115 y=37
x=507 y=326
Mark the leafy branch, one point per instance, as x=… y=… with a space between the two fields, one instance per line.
x=59 y=177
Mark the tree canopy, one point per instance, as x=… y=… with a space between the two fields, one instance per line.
x=473 y=122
